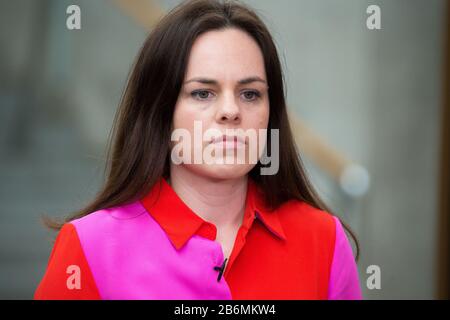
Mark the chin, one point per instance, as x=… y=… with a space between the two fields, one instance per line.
x=222 y=171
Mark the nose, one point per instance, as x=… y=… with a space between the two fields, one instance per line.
x=228 y=111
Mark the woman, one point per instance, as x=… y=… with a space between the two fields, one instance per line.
x=166 y=226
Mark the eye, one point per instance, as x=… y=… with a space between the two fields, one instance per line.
x=200 y=94
x=251 y=95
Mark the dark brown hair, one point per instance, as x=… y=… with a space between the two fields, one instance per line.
x=138 y=149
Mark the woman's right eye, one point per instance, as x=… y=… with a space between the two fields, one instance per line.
x=200 y=94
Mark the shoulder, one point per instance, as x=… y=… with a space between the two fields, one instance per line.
x=299 y=216
x=66 y=264
x=104 y=220
x=325 y=237
x=106 y=228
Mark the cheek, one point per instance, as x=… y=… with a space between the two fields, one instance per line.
x=263 y=118
x=190 y=118
x=183 y=117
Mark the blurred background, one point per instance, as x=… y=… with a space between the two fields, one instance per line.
x=370 y=109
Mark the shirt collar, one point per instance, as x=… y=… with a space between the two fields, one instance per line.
x=180 y=223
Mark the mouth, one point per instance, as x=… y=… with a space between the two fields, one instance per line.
x=229 y=141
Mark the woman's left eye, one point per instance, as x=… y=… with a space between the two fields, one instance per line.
x=251 y=95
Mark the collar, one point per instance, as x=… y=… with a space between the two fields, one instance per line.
x=180 y=223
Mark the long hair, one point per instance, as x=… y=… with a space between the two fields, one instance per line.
x=139 y=150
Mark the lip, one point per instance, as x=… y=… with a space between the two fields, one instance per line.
x=229 y=140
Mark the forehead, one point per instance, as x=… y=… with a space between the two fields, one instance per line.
x=229 y=54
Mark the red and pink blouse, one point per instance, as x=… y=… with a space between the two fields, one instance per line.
x=158 y=248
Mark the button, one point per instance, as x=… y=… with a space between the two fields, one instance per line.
x=220 y=269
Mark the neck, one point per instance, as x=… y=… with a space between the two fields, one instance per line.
x=219 y=201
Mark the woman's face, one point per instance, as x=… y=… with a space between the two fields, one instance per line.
x=225 y=87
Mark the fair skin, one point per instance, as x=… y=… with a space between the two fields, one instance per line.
x=217 y=192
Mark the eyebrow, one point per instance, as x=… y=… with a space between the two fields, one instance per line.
x=212 y=81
